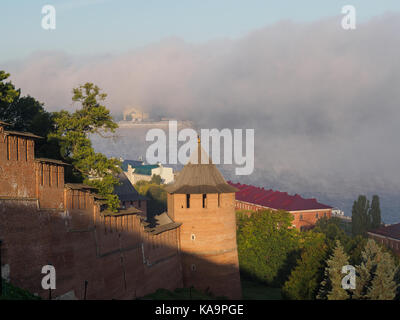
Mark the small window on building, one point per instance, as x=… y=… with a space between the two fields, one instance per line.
x=325 y=214
x=301 y=217
x=316 y=215
x=193 y=237
x=204 y=200
x=188 y=201
x=193 y=267
x=219 y=200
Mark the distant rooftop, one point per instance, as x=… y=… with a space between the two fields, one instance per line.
x=132 y=163
x=392 y=231
x=275 y=199
x=145 y=169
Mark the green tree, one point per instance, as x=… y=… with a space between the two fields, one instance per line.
x=370 y=257
x=27 y=114
x=331 y=287
x=72 y=132
x=156 y=179
x=8 y=93
x=360 y=216
x=354 y=247
x=333 y=230
x=156 y=194
x=267 y=244
x=376 y=275
x=383 y=285
x=304 y=280
x=375 y=213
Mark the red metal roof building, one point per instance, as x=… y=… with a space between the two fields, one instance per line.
x=388 y=235
x=306 y=212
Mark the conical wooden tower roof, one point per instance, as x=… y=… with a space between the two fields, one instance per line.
x=200 y=176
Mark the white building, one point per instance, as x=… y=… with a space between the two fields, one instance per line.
x=139 y=172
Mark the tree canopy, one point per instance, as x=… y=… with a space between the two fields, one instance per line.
x=306 y=277
x=66 y=134
x=267 y=245
x=331 y=287
x=376 y=274
x=365 y=216
x=72 y=131
x=28 y=115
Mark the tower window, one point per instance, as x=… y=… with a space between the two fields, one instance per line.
x=188 y=201
x=193 y=237
x=204 y=200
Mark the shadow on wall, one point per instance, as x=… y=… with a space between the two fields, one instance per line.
x=117 y=258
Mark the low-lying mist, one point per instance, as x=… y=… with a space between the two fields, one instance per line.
x=324 y=102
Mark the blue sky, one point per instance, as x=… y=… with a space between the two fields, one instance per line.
x=104 y=26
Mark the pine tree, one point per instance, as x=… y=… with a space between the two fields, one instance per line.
x=331 y=288
x=375 y=213
x=383 y=286
x=369 y=260
x=376 y=274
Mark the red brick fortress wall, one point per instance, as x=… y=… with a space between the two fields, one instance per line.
x=50 y=185
x=117 y=258
x=43 y=222
x=17 y=172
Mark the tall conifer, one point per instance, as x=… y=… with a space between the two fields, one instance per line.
x=375 y=212
x=369 y=260
x=383 y=285
x=376 y=274
x=360 y=216
x=332 y=285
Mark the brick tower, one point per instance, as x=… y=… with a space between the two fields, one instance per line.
x=204 y=203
